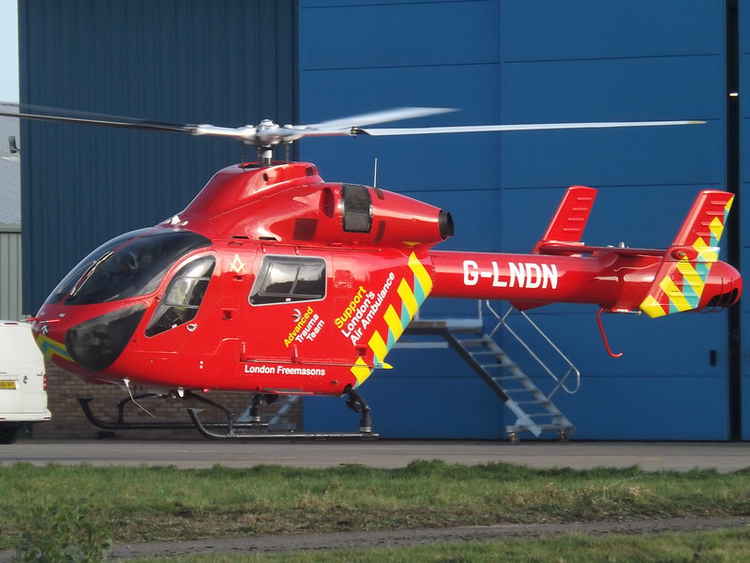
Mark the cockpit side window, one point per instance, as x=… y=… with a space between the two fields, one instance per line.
x=183 y=297
x=286 y=279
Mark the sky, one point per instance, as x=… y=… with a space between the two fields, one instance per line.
x=8 y=50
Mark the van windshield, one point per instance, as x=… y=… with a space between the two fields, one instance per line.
x=130 y=265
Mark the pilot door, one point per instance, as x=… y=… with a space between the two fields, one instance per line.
x=176 y=322
x=288 y=307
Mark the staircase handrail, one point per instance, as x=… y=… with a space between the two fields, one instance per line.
x=559 y=380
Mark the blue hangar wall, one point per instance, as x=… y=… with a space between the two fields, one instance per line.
x=540 y=61
x=743 y=157
x=237 y=61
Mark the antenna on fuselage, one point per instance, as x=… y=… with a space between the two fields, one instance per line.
x=375 y=173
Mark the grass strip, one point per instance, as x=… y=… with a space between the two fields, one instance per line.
x=166 y=503
x=707 y=547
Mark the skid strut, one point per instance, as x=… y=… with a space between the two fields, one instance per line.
x=358 y=405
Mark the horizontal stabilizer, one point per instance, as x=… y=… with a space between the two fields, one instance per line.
x=570 y=219
x=569 y=249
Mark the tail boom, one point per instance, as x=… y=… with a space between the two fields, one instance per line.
x=528 y=278
x=686 y=276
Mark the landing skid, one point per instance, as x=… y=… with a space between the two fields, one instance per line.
x=234 y=431
x=231 y=430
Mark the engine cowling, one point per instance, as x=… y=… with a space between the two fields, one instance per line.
x=291 y=203
x=366 y=215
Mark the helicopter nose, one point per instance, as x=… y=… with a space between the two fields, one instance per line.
x=49 y=335
x=96 y=343
x=724 y=287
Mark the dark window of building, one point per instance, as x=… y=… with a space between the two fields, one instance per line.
x=283 y=279
x=183 y=296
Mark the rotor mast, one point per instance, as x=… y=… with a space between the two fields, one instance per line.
x=265 y=155
x=265 y=140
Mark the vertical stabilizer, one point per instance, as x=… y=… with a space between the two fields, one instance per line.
x=678 y=285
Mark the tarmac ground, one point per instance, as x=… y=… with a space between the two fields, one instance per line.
x=682 y=456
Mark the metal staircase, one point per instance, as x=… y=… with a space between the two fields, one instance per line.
x=534 y=408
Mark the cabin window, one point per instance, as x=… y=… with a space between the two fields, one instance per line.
x=183 y=296
x=285 y=279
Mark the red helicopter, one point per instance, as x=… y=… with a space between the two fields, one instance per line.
x=275 y=282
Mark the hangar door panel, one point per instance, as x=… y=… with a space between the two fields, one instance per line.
x=441 y=54
x=744 y=152
x=672 y=382
x=584 y=61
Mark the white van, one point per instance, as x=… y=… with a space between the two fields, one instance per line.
x=23 y=383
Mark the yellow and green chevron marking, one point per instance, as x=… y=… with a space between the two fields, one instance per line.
x=681 y=283
x=412 y=290
x=50 y=347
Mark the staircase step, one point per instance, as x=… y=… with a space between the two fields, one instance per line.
x=537 y=402
x=508 y=377
x=483 y=353
x=471 y=341
x=494 y=365
x=533 y=414
x=542 y=427
x=560 y=426
x=519 y=390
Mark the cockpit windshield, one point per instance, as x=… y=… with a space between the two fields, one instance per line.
x=130 y=265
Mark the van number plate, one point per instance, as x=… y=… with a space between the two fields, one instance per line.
x=5 y=384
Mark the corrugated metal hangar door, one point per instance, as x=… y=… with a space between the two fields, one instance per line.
x=521 y=62
x=10 y=272
x=172 y=61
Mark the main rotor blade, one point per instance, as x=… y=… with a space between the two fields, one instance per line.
x=384 y=116
x=44 y=113
x=267 y=133
x=519 y=127
x=101 y=121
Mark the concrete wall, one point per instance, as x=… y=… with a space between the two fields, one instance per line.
x=68 y=421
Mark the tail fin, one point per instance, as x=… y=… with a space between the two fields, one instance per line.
x=570 y=219
x=680 y=280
